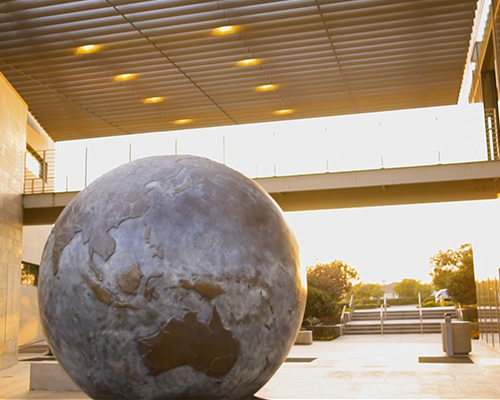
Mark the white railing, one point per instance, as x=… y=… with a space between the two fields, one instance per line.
x=382 y=319
x=343 y=320
x=420 y=311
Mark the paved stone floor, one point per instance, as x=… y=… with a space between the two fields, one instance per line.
x=363 y=367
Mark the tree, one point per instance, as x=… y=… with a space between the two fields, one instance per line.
x=334 y=278
x=367 y=291
x=327 y=285
x=453 y=269
x=410 y=288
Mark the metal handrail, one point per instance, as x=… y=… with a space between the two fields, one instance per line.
x=351 y=303
x=342 y=320
x=420 y=313
x=385 y=306
x=460 y=312
x=382 y=319
x=39 y=171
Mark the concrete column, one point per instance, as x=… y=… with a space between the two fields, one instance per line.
x=13 y=117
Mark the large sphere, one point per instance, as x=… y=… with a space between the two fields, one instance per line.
x=171 y=277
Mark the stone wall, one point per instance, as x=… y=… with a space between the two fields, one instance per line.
x=13 y=116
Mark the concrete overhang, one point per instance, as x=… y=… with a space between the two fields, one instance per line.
x=44 y=208
x=410 y=185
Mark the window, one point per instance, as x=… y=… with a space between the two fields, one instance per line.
x=36 y=164
x=29 y=274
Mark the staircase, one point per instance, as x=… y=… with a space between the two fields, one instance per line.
x=397 y=321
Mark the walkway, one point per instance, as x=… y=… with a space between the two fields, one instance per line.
x=349 y=367
x=378 y=187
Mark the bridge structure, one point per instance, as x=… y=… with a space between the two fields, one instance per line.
x=380 y=187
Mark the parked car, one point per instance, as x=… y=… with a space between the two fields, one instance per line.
x=443 y=293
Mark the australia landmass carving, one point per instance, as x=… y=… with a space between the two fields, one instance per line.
x=206 y=347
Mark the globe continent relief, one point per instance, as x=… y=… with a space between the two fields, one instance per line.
x=171 y=277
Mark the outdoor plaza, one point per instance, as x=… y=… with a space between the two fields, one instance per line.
x=349 y=367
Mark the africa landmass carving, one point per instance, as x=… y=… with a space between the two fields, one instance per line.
x=207 y=347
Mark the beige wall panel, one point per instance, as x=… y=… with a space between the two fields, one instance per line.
x=38 y=138
x=34 y=238
x=13 y=116
x=30 y=330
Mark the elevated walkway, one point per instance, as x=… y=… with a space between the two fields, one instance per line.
x=397 y=321
x=392 y=186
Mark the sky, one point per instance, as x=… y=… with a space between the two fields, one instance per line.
x=384 y=244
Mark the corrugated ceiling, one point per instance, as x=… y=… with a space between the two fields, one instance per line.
x=325 y=58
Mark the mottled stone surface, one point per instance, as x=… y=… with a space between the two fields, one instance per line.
x=171 y=277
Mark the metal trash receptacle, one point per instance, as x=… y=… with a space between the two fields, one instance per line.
x=455 y=336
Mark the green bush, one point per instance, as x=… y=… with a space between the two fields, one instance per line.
x=367 y=305
x=402 y=301
x=429 y=303
x=319 y=304
x=432 y=303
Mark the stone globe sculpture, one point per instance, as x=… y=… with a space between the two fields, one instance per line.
x=171 y=277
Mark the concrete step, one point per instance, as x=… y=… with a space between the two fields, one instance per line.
x=373 y=315
x=395 y=327
x=394 y=331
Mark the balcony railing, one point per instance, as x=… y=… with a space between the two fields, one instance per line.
x=39 y=171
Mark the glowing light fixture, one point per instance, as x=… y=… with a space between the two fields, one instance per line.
x=124 y=77
x=225 y=30
x=153 y=100
x=248 y=62
x=284 y=111
x=183 y=121
x=266 y=88
x=88 y=48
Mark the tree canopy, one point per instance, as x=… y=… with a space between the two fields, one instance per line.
x=367 y=291
x=410 y=288
x=327 y=285
x=453 y=269
x=334 y=278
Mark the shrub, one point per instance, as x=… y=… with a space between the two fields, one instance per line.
x=319 y=304
x=402 y=301
x=367 y=305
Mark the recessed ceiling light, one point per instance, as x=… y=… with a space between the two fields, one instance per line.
x=152 y=100
x=266 y=88
x=248 y=62
x=284 y=111
x=225 y=30
x=88 y=48
x=124 y=77
x=183 y=121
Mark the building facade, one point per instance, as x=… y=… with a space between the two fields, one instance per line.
x=13 y=122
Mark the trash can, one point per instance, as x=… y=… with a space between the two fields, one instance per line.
x=455 y=336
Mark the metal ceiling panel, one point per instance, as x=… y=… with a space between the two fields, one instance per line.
x=324 y=57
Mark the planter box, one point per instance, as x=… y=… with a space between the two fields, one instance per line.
x=460 y=337
x=304 y=337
